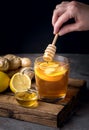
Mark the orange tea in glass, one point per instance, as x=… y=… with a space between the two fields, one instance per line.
x=51 y=78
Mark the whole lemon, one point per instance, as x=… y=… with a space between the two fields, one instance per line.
x=4 y=81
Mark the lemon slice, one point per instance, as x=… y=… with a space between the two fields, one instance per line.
x=4 y=81
x=49 y=64
x=20 y=83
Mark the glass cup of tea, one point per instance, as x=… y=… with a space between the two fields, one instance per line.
x=51 y=78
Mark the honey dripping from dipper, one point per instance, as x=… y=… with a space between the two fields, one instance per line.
x=50 y=50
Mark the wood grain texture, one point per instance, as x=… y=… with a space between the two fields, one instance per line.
x=48 y=114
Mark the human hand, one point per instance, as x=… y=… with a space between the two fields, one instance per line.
x=68 y=10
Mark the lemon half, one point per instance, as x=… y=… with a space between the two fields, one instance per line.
x=20 y=83
x=4 y=81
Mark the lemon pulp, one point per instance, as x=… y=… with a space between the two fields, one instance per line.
x=20 y=82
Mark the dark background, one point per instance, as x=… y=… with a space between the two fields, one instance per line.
x=25 y=27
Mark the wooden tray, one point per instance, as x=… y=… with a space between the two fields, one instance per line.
x=48 y=114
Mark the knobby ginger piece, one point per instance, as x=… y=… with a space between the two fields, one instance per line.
x=25 y=62
x=4 y=64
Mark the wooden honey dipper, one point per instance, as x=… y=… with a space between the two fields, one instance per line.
x=50 y=50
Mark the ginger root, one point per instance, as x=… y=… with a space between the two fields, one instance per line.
x=25 y=62
x=13 y=62
x=4 y=64
x=29 y=71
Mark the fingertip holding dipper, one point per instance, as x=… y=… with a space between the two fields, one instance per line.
x=50 y=50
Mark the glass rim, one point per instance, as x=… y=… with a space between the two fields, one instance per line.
x=60 y=56
x=66 y=60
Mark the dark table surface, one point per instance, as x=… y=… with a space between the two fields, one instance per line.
x=79 y=64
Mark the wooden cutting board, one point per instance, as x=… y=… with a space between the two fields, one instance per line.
x=48 y=114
